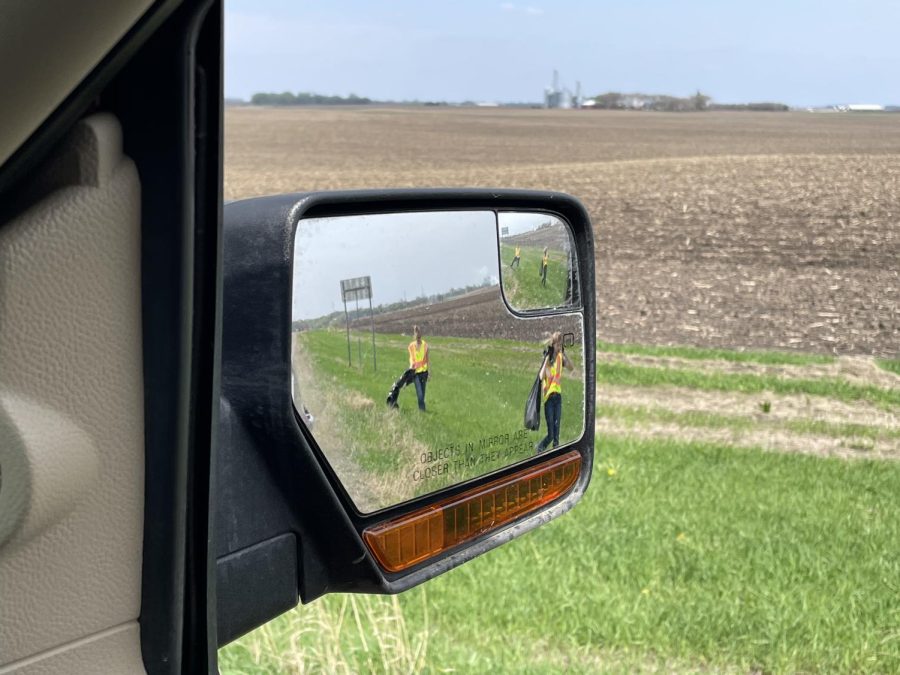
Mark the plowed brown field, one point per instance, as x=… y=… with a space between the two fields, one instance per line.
x=761 y=230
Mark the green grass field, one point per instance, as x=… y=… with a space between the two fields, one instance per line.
x=890 y=365
x=697 y=353
x=682 y=556
x=476 y=390
x=522 y=284
x=835 y=388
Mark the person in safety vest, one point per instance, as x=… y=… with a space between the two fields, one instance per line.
x=544 y=261
x=517 y=258
x=418 y=362
x=551 y=387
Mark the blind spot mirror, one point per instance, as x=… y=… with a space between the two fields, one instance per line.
x=409 y=369
x=538 y=262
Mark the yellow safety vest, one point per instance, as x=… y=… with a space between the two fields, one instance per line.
x=553 y=384
x=417 y=356
x=545 y=259
x=518 y=250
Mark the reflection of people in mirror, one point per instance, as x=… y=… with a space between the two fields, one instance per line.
x=551 y=385
x=516 y=258
x=418 y=362
x=544 y=261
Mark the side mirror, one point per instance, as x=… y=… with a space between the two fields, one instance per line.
x=380 y=387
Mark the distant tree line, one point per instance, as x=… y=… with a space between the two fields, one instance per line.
x=614 y=100
x=764 y=106
x=306 y=98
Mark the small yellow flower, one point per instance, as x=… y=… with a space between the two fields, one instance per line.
x=681 y=537
x=610 y=472
x=645 y=591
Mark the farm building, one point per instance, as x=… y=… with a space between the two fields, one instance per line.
x=560 y=97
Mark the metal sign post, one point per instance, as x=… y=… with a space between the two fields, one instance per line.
x=372 y=318
x=347 y=320
x=358 y=288
x=358 y=342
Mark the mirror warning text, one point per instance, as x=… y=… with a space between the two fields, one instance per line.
x=497 y=450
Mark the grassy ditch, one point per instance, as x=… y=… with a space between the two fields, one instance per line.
x=682 y=556
x=890 y=365
x=835 y=388
x=476 y=393
x=635 y=416
x=730 y=355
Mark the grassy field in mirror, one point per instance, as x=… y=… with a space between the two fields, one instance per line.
x=473 y=424
x=525 y=240
x=523 y=285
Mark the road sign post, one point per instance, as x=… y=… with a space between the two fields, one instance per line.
x=358 y=288
x=347 y=321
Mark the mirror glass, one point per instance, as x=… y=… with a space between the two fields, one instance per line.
x=538 y=263
x=408 y=367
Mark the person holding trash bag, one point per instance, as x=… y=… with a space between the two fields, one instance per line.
x=551 y=385
x=418 y=363
x=516 y=258
x=545 y=260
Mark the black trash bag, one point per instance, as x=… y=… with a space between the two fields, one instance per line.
x=533 y=404
x=533 y=407
x=405 y=379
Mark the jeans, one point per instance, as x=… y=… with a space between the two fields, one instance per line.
x=421 y=379
x=515 y=262
x=553 y=415
x=543 y=275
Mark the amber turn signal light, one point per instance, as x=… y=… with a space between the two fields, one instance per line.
x=405 y=541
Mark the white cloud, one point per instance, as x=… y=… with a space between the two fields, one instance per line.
x=530 y=9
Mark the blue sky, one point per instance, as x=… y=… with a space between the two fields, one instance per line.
x=461 y=251
x=800 y=52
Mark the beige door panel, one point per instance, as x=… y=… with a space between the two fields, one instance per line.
x=71 y=414
x=46 y=48
x=113 y=651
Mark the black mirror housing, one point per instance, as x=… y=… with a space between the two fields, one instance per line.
x=285 y=528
